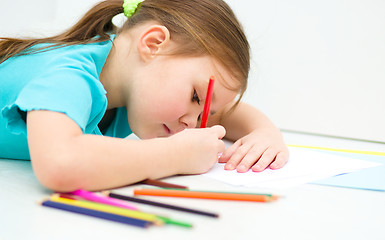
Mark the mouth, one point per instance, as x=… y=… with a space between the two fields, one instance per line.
x=166 y=129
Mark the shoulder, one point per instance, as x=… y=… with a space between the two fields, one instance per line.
x=85 y=58
x=91 y=56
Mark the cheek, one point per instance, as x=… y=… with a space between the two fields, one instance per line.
x=167 y=108
x=170 y=110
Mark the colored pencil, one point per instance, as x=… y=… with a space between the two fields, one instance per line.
x=162 y=205
x=174 y=222
x=98 y=214
x=156 y=219
x=162 y=184
x=206 y=109
x=249 y=193
x=205 y=195
x=102 y=199
x=339 y=150
x=108 y=209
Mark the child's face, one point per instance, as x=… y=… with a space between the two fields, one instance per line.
x=164 y=99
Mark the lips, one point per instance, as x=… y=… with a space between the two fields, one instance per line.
x=168 y=131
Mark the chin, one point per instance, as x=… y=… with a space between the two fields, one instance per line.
x=149 y=135
x=139 y=134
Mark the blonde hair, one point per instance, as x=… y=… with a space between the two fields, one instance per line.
x=200 y=26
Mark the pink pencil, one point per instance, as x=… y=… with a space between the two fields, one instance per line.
x=102 y=199
x=206 y=108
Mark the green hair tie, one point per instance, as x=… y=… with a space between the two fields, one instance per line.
x=129 y=7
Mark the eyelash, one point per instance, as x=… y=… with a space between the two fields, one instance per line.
x=195 y=97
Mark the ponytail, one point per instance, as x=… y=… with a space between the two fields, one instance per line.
x=94 y=26
x=199 y=27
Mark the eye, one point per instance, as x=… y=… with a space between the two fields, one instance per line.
x=195 y=97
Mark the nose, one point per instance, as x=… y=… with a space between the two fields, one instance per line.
x=189 y=120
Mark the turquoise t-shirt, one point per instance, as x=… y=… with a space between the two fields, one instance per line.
x=63 y=80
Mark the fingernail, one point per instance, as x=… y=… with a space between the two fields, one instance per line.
x=229 y=166
x=257 y=168
x=274 y=165
x=241 y=168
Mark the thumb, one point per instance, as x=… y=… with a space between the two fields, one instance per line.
x=219 y=130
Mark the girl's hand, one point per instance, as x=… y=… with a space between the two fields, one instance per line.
x=197 y=149
x=258 y=150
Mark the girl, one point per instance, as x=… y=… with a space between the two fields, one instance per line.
x=68 y=101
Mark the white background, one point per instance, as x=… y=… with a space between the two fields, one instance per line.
x=317 y=66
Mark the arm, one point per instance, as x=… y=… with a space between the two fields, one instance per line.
x=65 y=159
x=258 y=143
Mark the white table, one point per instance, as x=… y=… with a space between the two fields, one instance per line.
x=308 y=211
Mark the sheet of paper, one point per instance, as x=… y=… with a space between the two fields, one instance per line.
x=367 y=179
x=304 y=166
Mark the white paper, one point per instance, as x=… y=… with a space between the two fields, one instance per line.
x=304 y=166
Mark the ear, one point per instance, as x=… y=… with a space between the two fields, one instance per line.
x=152 y=41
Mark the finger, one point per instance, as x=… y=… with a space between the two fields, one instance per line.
x=229 y=152
x=250 y=159
x=267 y=157
x=236 y=157
x=221 y=147
x=219 y=130
x=280 y=160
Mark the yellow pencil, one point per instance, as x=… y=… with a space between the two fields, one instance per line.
x=339 y=150
x=109 y=209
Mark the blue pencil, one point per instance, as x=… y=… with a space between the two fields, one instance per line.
x=98 y=214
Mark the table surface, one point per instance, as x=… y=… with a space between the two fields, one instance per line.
x=307 y=211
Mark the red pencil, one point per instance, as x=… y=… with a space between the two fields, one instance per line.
x=206 y=108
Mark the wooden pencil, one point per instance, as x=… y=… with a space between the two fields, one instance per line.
x=204 y=195
x=162 y=205
x=101 y=199
x=97 y=214
x=156 y=219
x=206 y=108
x=108 y=208
x=250 y=193
x=162 y=184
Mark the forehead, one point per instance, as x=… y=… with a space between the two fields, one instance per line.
x=222 y=96
x=198 y=71
x=209 y=67
x=226 y=87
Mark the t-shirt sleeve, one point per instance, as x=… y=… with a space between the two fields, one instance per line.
x=65 y=89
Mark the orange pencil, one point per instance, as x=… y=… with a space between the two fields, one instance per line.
x=206 y=108
x=205 y=195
